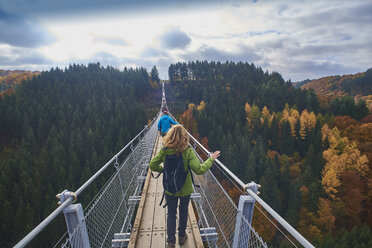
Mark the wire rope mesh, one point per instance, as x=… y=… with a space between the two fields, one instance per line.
x=109 y=212
x=216 y=209
x=226 y=183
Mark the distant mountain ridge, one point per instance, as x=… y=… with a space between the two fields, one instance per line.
x=357 y=85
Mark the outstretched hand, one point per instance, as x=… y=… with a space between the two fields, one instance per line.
x=215 y=155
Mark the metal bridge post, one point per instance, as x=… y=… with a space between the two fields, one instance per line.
x=75 y=221
x=245 y=211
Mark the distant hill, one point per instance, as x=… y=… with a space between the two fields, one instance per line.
x=299 y=84
x=10 y=78
x=357 y=85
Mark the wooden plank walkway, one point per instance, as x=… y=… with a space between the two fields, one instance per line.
x=150 y=226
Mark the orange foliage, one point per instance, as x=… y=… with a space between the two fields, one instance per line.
x=325 y=219
x=201 y=106
x=12 y=78
x=342 y=122
x=369 y=200
x=352 y=190
x=189 y=122
x=367 y=119
x=272 y=154
x=204 y=142
x=294 y=171
x=306 y=225
x=262 y=225
x=7 y=92
x=304 y=193
x=329 y=86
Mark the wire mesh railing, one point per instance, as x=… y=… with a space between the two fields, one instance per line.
x=216 y=210
x=108 y=212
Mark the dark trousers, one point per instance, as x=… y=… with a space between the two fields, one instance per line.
x=172 y=202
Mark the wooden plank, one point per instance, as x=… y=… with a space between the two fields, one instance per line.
x=158 y=239
x=160 y=212
x=144 y=239
x=148 y=214
x=198 y=243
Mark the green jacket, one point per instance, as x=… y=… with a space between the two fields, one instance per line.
x=189 y=159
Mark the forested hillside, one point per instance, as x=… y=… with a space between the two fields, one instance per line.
x=308 y=155
x=358 y=86
x=56 y=130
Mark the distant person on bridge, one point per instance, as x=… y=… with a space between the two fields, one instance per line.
x=165 y=123
x=175 y=147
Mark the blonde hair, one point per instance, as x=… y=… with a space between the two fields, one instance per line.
x=176 y=138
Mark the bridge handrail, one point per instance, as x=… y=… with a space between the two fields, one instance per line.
x=301 y=239
x=32 y=234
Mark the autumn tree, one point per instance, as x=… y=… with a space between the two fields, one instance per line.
x=341 y=156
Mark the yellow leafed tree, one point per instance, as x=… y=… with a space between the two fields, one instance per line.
x=201 y=106
x=342 y=155
x=306 y=225
x=307 y=122
x=247 y=109
x=292 y=116
x=265 y=114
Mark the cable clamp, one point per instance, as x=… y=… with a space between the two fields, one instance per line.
x=252 y=186
x=116 y=164
x=65 y=195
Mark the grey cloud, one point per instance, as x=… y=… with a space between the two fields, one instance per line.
x=106 y=58
x=337 y=17
x=71 y=7
x=21 y=32
x=283 y=8
x=290 y=47
x=113 y=40
x=319 y=68
x=174 y=38
x=23 y=57
x=360 y=13
x=244 y=53
x=162 y=64
x=153 y=52
x=299 y=69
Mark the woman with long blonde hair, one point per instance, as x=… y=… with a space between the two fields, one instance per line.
x=176 y=141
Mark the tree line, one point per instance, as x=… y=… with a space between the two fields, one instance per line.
x=56 y=130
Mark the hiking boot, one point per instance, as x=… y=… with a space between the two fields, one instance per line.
x=170 y=245
x=182 y=240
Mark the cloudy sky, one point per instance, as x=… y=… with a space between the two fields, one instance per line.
x=299 y=39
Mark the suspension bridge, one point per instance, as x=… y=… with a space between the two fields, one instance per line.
x=126 y=211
